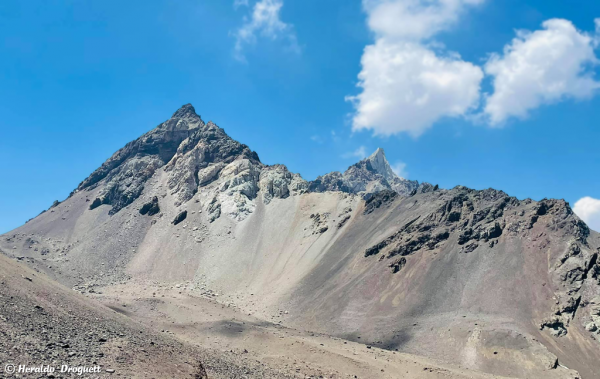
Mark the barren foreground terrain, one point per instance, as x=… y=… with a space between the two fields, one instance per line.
x=136 y=331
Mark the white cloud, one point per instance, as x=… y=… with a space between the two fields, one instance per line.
x=588 y=209
x=399 y=169
x=360 y=153
x=406 y=86
x=265 y=21
x=541 y=67
x=413 y=19
x=240 y=3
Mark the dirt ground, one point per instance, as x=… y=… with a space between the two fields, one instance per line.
x=201 y=320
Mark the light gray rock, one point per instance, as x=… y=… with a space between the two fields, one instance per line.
x=278 y=182
x=367 y=177
x=210 y=173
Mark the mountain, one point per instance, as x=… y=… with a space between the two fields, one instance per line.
x=194 y=151
x=369 y=176
x=473 y=278
x=196 y=154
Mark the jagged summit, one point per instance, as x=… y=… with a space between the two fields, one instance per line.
x=185 y=110
x=370 y=175
x=195 y=154
x=381 y=165
x=123 y=176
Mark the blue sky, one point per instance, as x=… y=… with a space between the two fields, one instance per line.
x=443 y=88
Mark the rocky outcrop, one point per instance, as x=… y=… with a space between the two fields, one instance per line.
x=477 y=221
x=574 y=272
x=197 y=155
x=124 y=175
x=209 y=174
x=239 y=187
x=150 y=208
x=214 y=209
x=397 y=265
x=333 y=181
x=343 y=221
x=194 y=155
x=319 y=223
x=379 y=199
x=96 y=203
x=470 y=217
x=593 y=323
x=239 y=183
x=201 y=157
x=367 y=177
x=277 y=182
x=180 y=217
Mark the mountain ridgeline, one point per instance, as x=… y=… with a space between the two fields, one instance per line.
x=476 y=278
x=195 y=154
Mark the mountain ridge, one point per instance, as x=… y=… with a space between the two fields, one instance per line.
x=195 y=153
x=504 y=286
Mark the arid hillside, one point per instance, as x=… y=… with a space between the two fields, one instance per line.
x=475 y=279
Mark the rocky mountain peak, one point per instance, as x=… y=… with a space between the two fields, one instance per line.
x=123 y=176
x=378 y=154
x=185 y=111
x=194 y=155
x=380 y=164
x=185 y=118
x=371 y=175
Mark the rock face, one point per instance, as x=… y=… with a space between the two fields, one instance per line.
x=369 y=176
x=194 y=154
x=364 y=255
x=471 y=220
x=124 y=175
x=198 y=155
x=207 y=148
x=277 y=182
x=379 y=199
